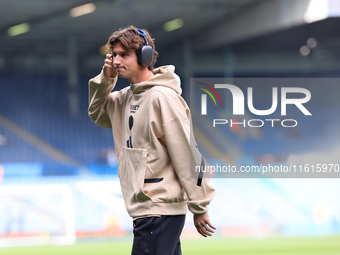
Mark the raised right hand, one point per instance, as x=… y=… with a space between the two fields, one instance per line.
x=108 y=67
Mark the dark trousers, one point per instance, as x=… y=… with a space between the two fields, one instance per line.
x=158 y=235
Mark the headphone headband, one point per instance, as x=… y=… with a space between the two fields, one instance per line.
x=142 y=34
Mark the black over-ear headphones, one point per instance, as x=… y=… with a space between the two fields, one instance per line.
x=144 y=53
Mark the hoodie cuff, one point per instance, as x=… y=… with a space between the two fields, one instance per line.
x=108 y=80
x=198 y=207
x=104 y=80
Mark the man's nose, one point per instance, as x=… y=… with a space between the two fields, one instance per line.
x=116 y=60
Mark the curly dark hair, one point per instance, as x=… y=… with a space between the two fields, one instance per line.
x=131 y=40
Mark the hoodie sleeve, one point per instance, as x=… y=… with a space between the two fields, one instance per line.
x=100 y=96
x=185 y=155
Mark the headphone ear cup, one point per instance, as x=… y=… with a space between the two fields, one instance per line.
x=139 y=54
x=145 y=55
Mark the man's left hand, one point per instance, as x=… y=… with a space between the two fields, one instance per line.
x=203 y=224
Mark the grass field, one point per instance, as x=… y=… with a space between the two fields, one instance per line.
x=323 y=245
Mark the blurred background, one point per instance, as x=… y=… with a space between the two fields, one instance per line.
x=58 y=170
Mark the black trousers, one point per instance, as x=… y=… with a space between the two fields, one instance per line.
x=158 y=235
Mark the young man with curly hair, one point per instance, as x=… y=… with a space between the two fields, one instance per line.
x=154 y=141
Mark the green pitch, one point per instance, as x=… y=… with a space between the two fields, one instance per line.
x=323 y=245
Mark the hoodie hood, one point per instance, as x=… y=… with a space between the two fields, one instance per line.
x=164 y=76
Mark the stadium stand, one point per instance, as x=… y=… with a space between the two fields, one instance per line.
x=39 y=128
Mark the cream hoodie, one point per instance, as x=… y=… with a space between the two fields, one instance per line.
x=154 y=141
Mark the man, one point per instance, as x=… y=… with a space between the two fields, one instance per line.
x=151 y=127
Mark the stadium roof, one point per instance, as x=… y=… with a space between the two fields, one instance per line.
x=247 y=25
x=50 y=22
